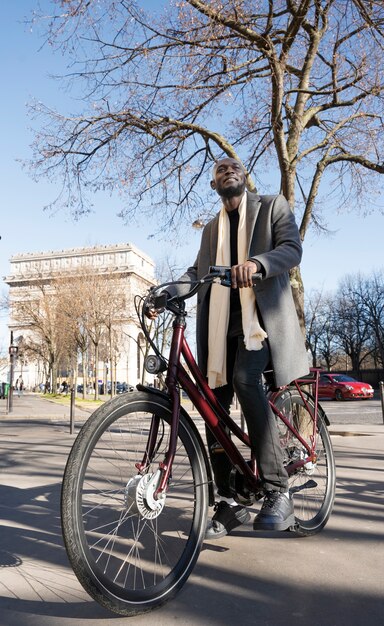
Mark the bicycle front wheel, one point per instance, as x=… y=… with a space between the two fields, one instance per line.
x=130 y=551
x=312 y=485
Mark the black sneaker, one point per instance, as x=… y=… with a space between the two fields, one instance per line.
x=225 y=519
x=277 y=512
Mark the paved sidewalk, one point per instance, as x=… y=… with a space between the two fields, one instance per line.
x=36 y=406
x=248 y=578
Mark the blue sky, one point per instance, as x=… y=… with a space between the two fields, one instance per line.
x=356 y=243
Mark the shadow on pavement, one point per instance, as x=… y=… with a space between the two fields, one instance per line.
x=248 y=578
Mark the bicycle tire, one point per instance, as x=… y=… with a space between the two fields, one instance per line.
x=126 y=561
x=313 y=485
x=339 y=395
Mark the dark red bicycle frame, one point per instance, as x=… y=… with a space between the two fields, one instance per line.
x=213 y=414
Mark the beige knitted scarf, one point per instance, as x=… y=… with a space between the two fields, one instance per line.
x=220 y=302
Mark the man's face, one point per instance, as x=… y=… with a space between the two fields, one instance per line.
x=229 y=178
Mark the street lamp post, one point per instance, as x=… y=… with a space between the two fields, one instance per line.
x=202 y=220
x=13 y=350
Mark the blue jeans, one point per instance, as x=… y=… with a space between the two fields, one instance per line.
x=244 y=375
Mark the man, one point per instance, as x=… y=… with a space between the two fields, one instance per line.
x=244 y=330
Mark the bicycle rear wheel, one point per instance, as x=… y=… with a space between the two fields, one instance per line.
x=312 y=485
x=130 y=552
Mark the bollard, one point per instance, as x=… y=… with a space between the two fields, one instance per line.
x=381 y=388
x=72 y=411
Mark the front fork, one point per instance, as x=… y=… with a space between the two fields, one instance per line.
x=165 y=466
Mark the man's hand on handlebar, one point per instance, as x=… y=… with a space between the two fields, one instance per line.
x=238 y=276
x=151 y=314
x=241 y=275
x=155 y=304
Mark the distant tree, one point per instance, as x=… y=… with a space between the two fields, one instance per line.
x=349 y=322
x=4 y=361
x=160 y=330
x=374 y=302
x=38 y=311
x=351 y=326
x=328 y=348
x=4 y=303
x=288 y=86
x=73 y=307
x=113 y=320
x=320 y=329
x=313 y=324
x=4 y=310
x=369 y=292
x=97 y=314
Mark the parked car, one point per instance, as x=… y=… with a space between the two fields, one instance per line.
x=342 y=387
x=123 y=387
x=120 y=387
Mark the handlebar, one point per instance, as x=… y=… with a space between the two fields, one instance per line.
x=158 y=300
x=224 y=274
x=217 y=273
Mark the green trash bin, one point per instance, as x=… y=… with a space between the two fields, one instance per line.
x=4 y=390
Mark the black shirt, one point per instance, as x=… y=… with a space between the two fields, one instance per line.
x=235 y=324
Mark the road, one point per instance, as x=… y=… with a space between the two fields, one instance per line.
x=354 y=411
x=254 y=579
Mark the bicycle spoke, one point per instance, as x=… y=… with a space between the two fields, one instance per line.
x=311 y=483
x=132 y=542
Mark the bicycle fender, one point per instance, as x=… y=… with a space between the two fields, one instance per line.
x=323 y=415
x=191 y=423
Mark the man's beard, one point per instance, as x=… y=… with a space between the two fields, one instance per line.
x=230 y=192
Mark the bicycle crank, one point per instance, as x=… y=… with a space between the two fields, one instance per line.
x=139 y=496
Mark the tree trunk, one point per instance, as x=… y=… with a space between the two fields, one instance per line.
x=96 y=377
x=54 y=377
x=84 y=362
x=298 y=295
x=74 y=370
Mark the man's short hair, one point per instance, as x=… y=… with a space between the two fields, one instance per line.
x=222 y=159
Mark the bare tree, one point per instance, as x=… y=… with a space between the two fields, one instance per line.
x=4 y=311
x=351 y=326
x=349 y=322
x=40 y=314
x=73 y=307
x=97 y=293
x=374 y=302
x=320 y=329
x=113 y=320
x=368 y=293
x=313 y=324
x=294 y=85
x=160 y=330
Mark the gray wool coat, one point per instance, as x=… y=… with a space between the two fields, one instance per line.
x=274 y=242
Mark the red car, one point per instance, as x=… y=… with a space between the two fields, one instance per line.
x=342 y=387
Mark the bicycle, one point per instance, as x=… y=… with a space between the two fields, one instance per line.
x=138 y=483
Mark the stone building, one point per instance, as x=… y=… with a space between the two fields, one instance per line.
x=129 y=268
